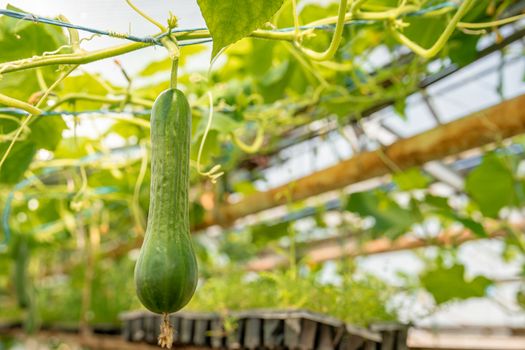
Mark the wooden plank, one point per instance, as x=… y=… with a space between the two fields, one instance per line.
x=273 y=333
x=253 y=332
x=331 y=250
x=95 y=342
x=422 y=339
x=493 y=124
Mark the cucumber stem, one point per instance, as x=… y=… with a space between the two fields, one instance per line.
x=174 y=71
x=166 y=332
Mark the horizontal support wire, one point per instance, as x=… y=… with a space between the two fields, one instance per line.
x=21 y=112
x=155 y=40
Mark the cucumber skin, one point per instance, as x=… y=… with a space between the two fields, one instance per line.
x=166 y=272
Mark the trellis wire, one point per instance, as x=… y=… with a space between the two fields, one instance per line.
x=20 y=112
x=155 y=40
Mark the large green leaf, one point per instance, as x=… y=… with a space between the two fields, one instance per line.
x=17 y=162
x=232 y=20
x=250 y=57
x=448 y=283
x=463 y=49
x=425 y=31
x=25 y=39
x=491 y=185
x=46 y=132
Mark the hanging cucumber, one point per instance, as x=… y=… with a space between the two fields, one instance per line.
x=166 y=271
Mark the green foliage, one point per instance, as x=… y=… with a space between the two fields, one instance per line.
x=356 y=301
x=260 y=82
x=411 y=179
x=492 y=185
x=22 y=39
x=390 y=219
x=425 y=31
x=60 y=298
x=449 y=283
x=21 y=156
x=265 y=233
x=232 y=20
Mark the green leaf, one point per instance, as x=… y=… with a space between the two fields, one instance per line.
x=47 y=132
x=25 y=39
x=520 y=297
x=437 y=202
x=390 y=219
x=17 y=162
x=400 y=106
x=8 y=123
x=244 y=187
x=127 y=130
x=439 y=205
x=468 y=223
x=76 y=147
x=264 y=233
x=221 y=122
x=463 y=49
x=411 y=179
x=447 y=284
x=425 y=31
x=211 y=148
x=500 y=193
x=19 y=39
x=232 y=20
x=472 y=225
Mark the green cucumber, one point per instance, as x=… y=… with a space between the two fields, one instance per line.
x=166 y=271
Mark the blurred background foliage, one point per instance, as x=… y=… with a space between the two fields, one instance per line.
x=75 y=209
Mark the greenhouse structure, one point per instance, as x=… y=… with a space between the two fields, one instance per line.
x=262 y=174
